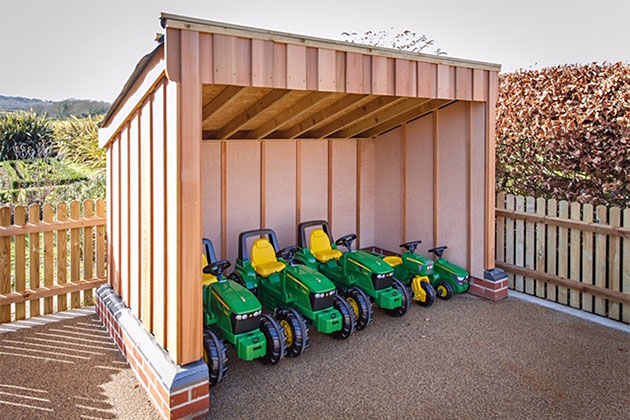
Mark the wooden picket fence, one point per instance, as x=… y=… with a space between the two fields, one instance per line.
x=49 y=252
x=569 y=253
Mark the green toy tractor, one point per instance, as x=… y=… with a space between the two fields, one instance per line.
x=447 y=277
x=232 y=313
x=292 y=292
x=360 y=276
x=413 y=270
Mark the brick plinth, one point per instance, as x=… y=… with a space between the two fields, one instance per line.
x=494 y=285
x=178 y=392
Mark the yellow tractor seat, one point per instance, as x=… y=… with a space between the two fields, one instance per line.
x=207 y=278
x=321 y=248
x=393 y=261
x=264 y=258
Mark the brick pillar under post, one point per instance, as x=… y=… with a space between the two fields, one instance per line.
x=177 y=392
x=493 y=286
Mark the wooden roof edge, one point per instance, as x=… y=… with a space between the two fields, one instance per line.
x=169 y=20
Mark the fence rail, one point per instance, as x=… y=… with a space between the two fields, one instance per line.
x=571 y=253
x=48 y=252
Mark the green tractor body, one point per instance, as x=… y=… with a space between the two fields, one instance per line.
x=351 y=270
x=447 y=277
x=292 y=292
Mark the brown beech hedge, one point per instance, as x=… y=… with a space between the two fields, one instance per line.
x=564 y=132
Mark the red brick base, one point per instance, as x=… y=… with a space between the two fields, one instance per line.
x=489 y=289
x=178 y=392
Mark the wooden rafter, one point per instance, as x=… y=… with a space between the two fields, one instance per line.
x=294 y=113
x=241 y=119
x=322 y=116
x=351 y=117
x=223 y=98
x=405 y=117
x=379 y=118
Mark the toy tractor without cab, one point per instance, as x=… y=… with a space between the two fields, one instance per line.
x=447 y=278
x=413 y=270
x=360 y=276
x=232 y=313
x=292 y=292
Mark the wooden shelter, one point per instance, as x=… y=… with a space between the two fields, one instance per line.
x=224 y=128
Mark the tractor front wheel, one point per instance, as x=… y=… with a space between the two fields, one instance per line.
x=347 y=314
x=361 y=305
x=429 y=293
x=444 y=291
x=406 y=300
x=295 y=331
x=276 y=348
x=215 y=355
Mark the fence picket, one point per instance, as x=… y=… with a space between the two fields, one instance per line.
x=625 y=269
x=574 y=255
x=20 y=261
x=552 y=247
x=100 y=241
x=563 y=251
x=500 y=238
x=509 y=237
x=600 y=261
x=88 y=250
x=587 y=257
x=75 y=254
x=614 y=262
x=49 y=257
x=519 y=242
x=33 y=259
x=530 y=207
x=540 y=247
x=62 y=256
x=5 y=264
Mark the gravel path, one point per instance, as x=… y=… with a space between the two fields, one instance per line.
x=466 y=358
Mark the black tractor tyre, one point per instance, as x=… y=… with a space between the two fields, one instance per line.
x=446 y=293
x=430 y=291
x=215 y=354
x=276 y=347
x=298 y=342
x=237 y=278
x=406 y=300
x=347 y=314
x=366 y=312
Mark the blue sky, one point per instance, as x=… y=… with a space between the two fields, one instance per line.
x=55 y=49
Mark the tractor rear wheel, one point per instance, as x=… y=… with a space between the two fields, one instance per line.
x=347 y=314
x=406 y=300
x=237 y=278
x=361 y=305
x=215 y=355
x=276 y=348
x=444 y=290
x=295 y=331
x=430 y=294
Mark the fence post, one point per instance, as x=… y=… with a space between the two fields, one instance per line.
x=33 y=258
x=600 y=261
x=563 y=252
x=614 y=262
x=48 y=257
x=88 y=250
x=587 y=258
x=62 y=256
x=529 y=244
x=625 y=269
x=574 y=259
x=540 y=246
x=5 y=264
x=20 y=262
x=75 y=254
x=509 y=237
x=552 y=247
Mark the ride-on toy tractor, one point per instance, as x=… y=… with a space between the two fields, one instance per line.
x=413 y=270
x=232 y=313
x=447 y=277
x=292 y=292
x=360 y=276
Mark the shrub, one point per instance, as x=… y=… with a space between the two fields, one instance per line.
x=24 y=135
x=76 y=140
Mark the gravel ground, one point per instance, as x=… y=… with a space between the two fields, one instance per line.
x=465 y=358
x=68 y=370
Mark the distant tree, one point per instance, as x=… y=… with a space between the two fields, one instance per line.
x=406 y=40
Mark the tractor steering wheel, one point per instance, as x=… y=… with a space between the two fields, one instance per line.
x=346 y=241
x=216 y=268
x=411 y=246
x=288 y=253
x=438 y=251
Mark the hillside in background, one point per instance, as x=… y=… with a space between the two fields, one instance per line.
x=55 y=109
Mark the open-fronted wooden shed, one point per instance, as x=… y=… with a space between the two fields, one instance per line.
x=224 y=128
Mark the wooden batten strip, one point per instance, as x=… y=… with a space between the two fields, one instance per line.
x=263 y=184
x=223 y=199
x=436 y=156
x=469 y=186
x=403 y=178
x=33 y=258
x=298 y=182
x=330 y=182
x=493 y=87
x=358 y=195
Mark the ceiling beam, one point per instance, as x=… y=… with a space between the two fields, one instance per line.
x=328 y=113
x=379 y=118
x=412 y=114
x=259 y=106
x=223 y=98
x=292 y=113
x=352 y=117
